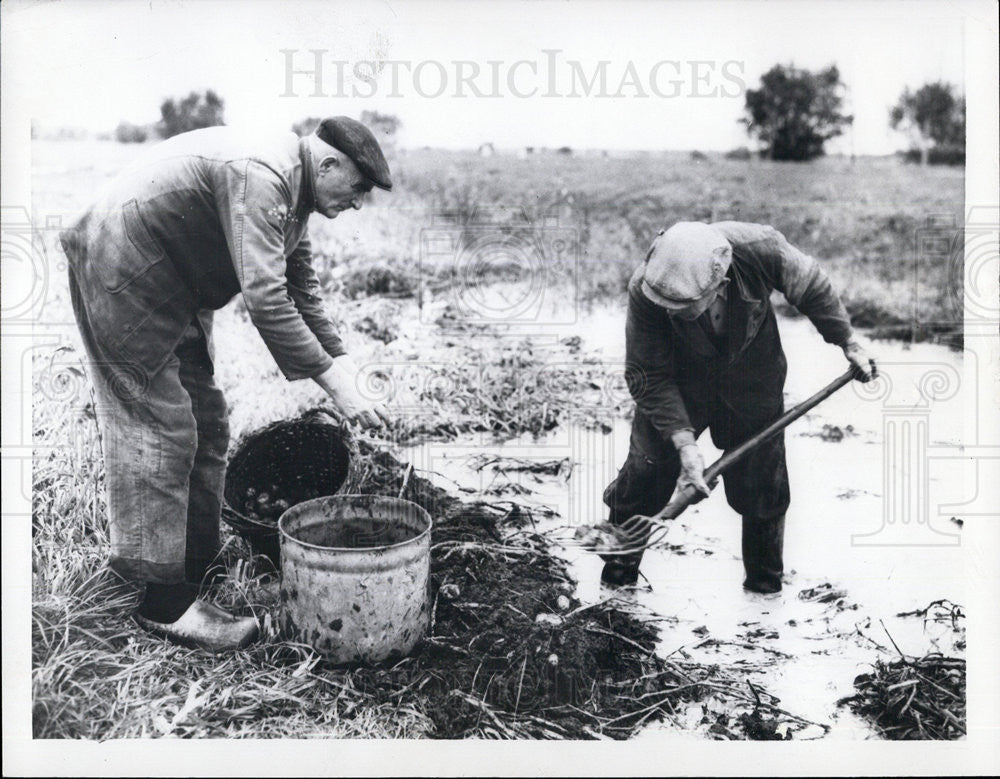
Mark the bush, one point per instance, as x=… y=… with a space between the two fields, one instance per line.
x=383 y=279
x=938 y=155
x=191 y=113
x=742 y=153
x=126 y=132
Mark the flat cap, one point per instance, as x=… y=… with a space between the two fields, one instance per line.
x=685 y=263
x=350 y=137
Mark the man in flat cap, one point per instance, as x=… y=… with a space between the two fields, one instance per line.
x=198 y=219
x=703 y=351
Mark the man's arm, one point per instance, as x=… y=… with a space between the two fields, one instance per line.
x=650 y=373
x=650 y=368
x=253 y=212
x=253 y=208
x=795 y=274
x=804 y=284
x=303 y=287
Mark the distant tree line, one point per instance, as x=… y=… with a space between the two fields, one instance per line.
x=791 y=115
x=177 y=115
x=794 y=112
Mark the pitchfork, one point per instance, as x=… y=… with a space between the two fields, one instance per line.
x=632 y=533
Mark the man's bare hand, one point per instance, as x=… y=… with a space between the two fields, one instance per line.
x=340 y=382
x=861 y=361
x=693 y=471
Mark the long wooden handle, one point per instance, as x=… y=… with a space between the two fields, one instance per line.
x=687 y=495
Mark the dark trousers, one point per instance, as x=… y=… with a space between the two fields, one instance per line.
x=756 y=487
x=164 y=439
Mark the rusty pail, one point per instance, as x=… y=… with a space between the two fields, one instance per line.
x=356 y=576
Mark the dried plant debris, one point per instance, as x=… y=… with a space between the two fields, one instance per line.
x=510 y=389
x=504 y=465
x=910 y=698
x=918 y=699
x=833 y=433
x=827 y=593
x=942 y=610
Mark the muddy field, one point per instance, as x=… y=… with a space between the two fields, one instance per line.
x=507 y=392
x=853 y=581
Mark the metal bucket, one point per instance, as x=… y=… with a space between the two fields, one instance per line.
x=356 y=576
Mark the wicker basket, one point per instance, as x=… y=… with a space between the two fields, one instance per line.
x=294 y=460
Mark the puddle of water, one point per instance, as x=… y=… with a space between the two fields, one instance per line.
x=858 y=528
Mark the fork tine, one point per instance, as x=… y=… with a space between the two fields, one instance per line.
x=630 y=547
x=625 y=551
x=634 y=535
x=637 y=536
x=635 y=524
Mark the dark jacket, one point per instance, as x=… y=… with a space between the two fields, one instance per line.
x=673 y=367
x=196 y=220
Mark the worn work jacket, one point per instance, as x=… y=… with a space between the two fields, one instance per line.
x=672 y=365
x=196 y=220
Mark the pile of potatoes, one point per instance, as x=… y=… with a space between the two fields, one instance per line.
x=264 y=505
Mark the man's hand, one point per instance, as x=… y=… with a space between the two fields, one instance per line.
x=861 y=361
x=692 y=464
x=341 y=383
x=693 y=471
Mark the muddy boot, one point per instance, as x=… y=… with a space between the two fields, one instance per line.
x=763 y=543
x=620 y=570
x=171 y=611
x=204 y=626
x=166 y=602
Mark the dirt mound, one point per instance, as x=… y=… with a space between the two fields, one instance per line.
x=511 y=651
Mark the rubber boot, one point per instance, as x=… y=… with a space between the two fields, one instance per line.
x=763 y=546
x=620 y=570
x=204 y=626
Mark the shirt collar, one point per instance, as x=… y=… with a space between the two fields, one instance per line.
x=307 y=196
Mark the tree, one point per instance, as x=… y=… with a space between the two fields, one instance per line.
x=934 y=119
x=796 y=111
x=190 y=113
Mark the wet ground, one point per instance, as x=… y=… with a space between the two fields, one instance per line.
x=869 y=534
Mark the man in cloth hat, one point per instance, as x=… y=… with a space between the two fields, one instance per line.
x=196 y=220
x=703 y=351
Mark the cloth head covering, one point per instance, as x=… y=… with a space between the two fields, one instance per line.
x=356 y=141
x=685 y=263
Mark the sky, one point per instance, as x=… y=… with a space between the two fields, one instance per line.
x=675 y=72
